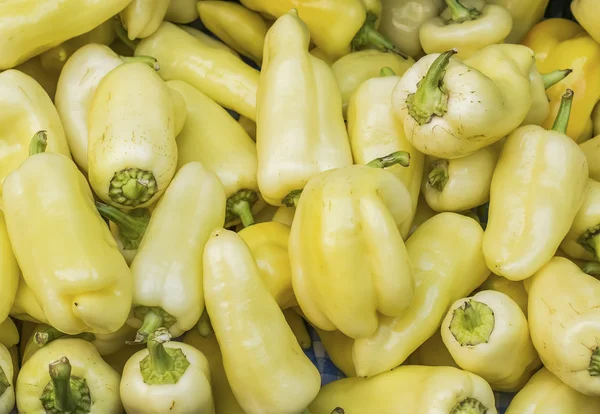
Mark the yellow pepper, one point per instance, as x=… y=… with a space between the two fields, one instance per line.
x=560 y=44
x=355 y=68
x=563 y=320
x=46 y=78
x=433 y=353
x=582 y=240
x=68 y=376
x=167 y=377
x=167 y=269
x=30 y=27
x=596 y=120
x=343 y=213
x=182 y=11
x=402 y=19
x=300 y=137
x=7 y=389
x=64 y=248
x=26 y=306
x=213 y=71
x=336 y=26
x=253 y=333
x=225 y=402
x=514 y=290
x=296 y=324
x=318 y=53
x=285 y=215
x=540 y=105
x=242 y=29
x=141 y=18
x=207 y=40
x=445 y=253
x=408 y=389
x=127 y=229
x=591 y=149
x=9 y=334
x=491 y=97
x=118 y=360
x=537 y=189
x=487 y=334
x=525 y=14
x=133 y=172
x=339 y=349
x=587 y=14
x=232 y=157
x=423 y=213
x=9 y=272
x=25 y=108
x=268 y=243
x=546 y=394
x=468 y=25
x=249 y=126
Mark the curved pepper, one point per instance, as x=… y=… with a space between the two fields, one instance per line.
x=141 y=18
x=582 y=241
x=546 y=394
x=355 y=68
x=402 y=19
x=268 y=243
x=563 y=320
x=30 y=27
x=559 y=44
x=266 y=347
x=242 y=29
x=343 y=213
x=68 y=376
x=213 y=71
x=591 y=149
x=7 y=389
x=182 y=11
x=167 y=269
x=335 y=26
x=207 y=40
x=72 y=265
x=25 y=108
x=491 y=97
x=540 y=105
x=249 y=126
x=339 y=349
x=318 y=53
x=296 y=324
x=232 y=157
x=296 y=138
x=167 y=377
x=468 y=25
x=587 y=14
x=487 y=334
x=9 y=334
x=9 y=272
x=514 y=290
x=133 y=172
x=445 y=253
x=432 y=353
x=525 y=14
x=26 y=306
x=409 y=389
x=537 y=188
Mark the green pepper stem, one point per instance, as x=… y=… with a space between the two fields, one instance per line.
x=204 y=327
x=369 y=38
x=122 y=34
x=431 y=97
x=398 y=157
x=292 y=199
x=152 y=321
x=4 y=384
x=132 y=186
x=44 y=337
x=472 y=323
x=387 y=71
x=148 y=60
x=438 y=175
x=240 y=206
x=38 y=143
x=591 y=268
x=161 y=360
x=132 y=225
x=555 y=76
x=60 y=374
x=564 y=112
x=594 y=367
x=460 y=13
x=244 y=212
x=469 y=405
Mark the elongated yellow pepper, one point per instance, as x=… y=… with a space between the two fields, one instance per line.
x=72 y=263
x=142 y=17
x=446 y=256
x=525 y=15
x=7 y=389
x=587 y=14
x=207 y=40
x=283 y=379
x=537 y=188
x=582 y=241
x=182 y=11
x=9 y=272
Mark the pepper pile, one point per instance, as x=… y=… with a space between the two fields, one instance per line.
x=418 y=180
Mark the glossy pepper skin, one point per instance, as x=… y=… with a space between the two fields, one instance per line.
x=546 y=394
x=72 y=265
x=487 y=334
x=167 y=377
x=142 y=17
x=7 y=389
x=207 y=40
x=214 y=71
x=591 y=149
x=132 y=101
x=560 y=44
x=167 y=269
x=277 y=376
x=563 y=319
x=410 y=389
x=29 y=27
x=355 y=68
x=182 y=11
x=587 y=14
x=25 y=108
x=451 y=109
x=537 y=188
x=468 y=25
x=514 y=290
x=447 y=261
x=9 y=271
x=232 y=157
x=296 y=138
x=242 y=29
x=582 y=239
x=87 y=384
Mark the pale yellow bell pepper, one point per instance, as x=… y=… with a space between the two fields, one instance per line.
x=207 y=40
x=9 y=272
x=587 y=14
x=318 y=53
x=26 y=306
x=7 y=389
x=582 y=241
x=514 y=290
x=182 y=11
x=525 y=15
x=141 y=18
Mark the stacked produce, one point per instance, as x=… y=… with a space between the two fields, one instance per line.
x=187 y=186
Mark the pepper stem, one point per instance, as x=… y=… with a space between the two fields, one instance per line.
x=460 y=13
x=431 y=97
x=591 y=268
x=65 y=393
x=239 y=206
x=148 y=60
x=438 y=175
x=387 y=71
x=564 y=111
x=162 y=365
x=49 y=334
x=398 y=157
x=555 y=76
x=38 y=143
x=469 y=405
x=132 y=225
x=369 y=38
x=4 y=384
x=161 y=360
x=292 y=199
x=338 y=410
x=203 y=327
x=152 y=321
x=594 y=367
x=60 y=374
x=132 y=186
x=122 y=34
x=472 y=324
